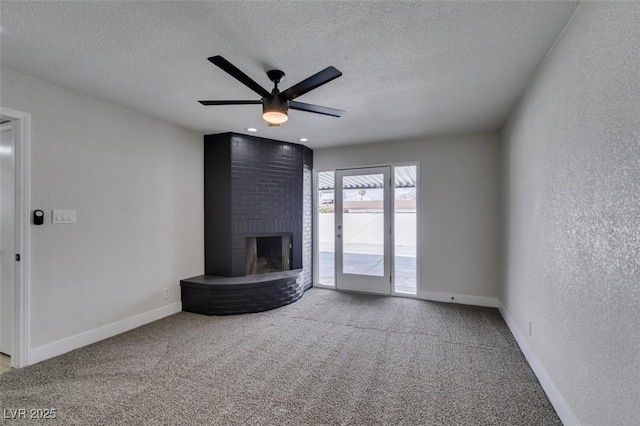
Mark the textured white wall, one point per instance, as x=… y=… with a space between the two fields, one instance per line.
x=459 y=210
x=136 y=183
x=572 y=201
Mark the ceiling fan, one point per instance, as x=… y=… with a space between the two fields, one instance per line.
x=275 y=104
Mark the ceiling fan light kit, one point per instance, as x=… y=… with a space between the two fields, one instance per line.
x=274 y=110
x=276 y=105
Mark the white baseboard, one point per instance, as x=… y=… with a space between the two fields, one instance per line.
x=558 y=402
x=65 y=345
x=464 y=299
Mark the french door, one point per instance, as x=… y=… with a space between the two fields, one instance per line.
x=363 y=230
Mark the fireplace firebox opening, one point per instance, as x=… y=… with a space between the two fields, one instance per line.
x=268 y=254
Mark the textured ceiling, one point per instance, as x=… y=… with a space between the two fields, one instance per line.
x=410 y=69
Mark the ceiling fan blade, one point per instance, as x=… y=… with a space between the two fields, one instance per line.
x=316 y=108
x=230 y=102
x=234 y=72
x=316 y=80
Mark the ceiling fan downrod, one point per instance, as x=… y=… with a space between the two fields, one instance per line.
x=276 y=77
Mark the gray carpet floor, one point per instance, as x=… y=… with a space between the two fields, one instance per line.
x=330 y=358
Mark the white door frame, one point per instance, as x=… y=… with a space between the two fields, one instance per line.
x=364 y=283
x=23 y=239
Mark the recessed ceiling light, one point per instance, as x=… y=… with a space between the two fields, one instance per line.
x=251 y=129
x=303 y=140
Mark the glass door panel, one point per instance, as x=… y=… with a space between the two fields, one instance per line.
x=405 y=231
x=362 y=230
x=326 y=227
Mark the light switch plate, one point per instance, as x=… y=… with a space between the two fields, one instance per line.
x=64 y=216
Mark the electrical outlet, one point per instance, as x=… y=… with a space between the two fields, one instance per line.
x=166 y=293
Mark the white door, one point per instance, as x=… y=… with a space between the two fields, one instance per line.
x=363 y=230
x=7 y=236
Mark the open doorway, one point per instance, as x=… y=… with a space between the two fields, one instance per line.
x=7 y=242
x=14 y=237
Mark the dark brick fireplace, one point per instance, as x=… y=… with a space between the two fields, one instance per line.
x=258 y=201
